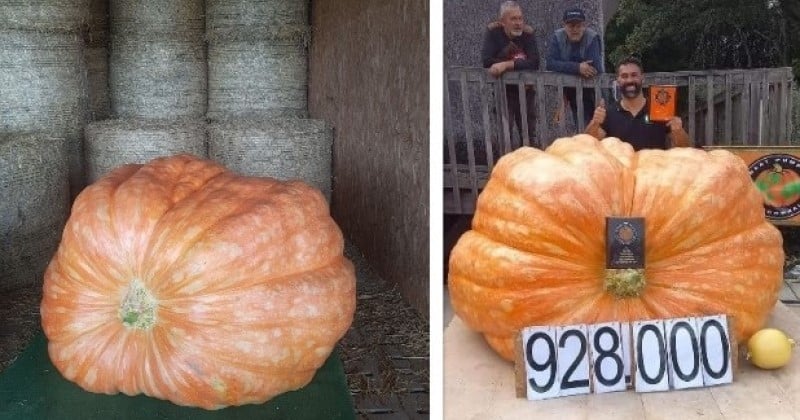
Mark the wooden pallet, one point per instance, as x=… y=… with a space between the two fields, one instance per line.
x=479 y=384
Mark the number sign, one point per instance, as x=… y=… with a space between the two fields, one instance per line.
x=573 y=360
x=608 y=366
x=653 y=355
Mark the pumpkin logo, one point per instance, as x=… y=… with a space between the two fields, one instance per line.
x=663 y=97
x=625 y=233
x=777 y=177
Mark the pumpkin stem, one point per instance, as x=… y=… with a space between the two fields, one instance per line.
x=138 y=307
x=624 y=282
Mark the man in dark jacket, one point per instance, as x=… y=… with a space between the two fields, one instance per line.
x=576 y=49
x=508 y=45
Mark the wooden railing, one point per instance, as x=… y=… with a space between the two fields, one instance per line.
x=718 y=107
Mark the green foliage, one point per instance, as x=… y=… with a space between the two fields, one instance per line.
x=701 y=34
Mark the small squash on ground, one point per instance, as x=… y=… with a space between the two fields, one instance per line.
x=536 y=252
x=184 y=281
x=769 y=348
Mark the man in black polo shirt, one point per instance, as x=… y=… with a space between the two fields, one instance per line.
x=629 y=119
x=508 y=45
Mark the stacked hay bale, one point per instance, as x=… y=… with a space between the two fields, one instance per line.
x=257 y=98
x=286 y=148
x=43 y=15
x=158 y=64
x=157 y=85
x=109 y=143
x=43 y=74
x=34 y=205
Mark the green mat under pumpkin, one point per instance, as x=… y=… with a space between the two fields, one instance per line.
x=32 y=388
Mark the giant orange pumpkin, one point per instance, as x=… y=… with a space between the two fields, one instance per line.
x=536 y=251
x=183 y=281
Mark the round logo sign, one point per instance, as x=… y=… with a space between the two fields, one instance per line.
x=778 y=178
x=625 y=233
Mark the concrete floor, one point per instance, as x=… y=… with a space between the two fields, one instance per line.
x=447 y=315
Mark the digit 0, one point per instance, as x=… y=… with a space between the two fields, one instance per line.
x=723 y=334
x=674 y=354
x=641 y=357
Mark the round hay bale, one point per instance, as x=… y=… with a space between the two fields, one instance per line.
x=43 y=15
x=289 y=148
x=43 y=79
x=164 y=79
x=97 y=72
x=33 y=208
x=257 y=78
x=257 y=20
x=113 y=143
x=153 y=20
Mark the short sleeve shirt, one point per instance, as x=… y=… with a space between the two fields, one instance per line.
x=637 y=129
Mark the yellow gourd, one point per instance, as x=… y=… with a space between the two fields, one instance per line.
x=769 y=348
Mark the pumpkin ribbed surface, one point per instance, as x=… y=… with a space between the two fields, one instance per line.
x=184 y=281
x=536 y=252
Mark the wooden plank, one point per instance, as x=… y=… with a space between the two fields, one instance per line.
x=468 y=134
x=523 y=112
x=579 y=105
x=530 y=79
x=745 y=109
x=502 y=105
x=789 y=110
x=708 y=138
x=782 y=134
x=755 y=110
x=561 y=105
x=451 y=143
x=692 y=101
x=764 y=117
x=464 y=177
x=487 y=130
x=541 y=114
x=449 y=203
x=728 y=109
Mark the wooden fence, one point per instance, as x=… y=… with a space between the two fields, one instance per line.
x=718 y=107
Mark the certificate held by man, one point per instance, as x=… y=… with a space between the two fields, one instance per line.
x=662 y=102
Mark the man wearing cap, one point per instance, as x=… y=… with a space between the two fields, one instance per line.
x=576 y=49
x=508 y=45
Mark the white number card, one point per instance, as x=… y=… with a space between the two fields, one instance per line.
x=649 y=356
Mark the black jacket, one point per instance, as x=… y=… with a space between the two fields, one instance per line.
x=497 y=47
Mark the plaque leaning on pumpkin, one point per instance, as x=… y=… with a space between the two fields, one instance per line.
x=183 y=281
x=538 y=255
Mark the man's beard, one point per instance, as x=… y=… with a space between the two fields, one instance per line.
x=631 y=90
x=515 y=32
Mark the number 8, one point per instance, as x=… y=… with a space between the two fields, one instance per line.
x=606 y=353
